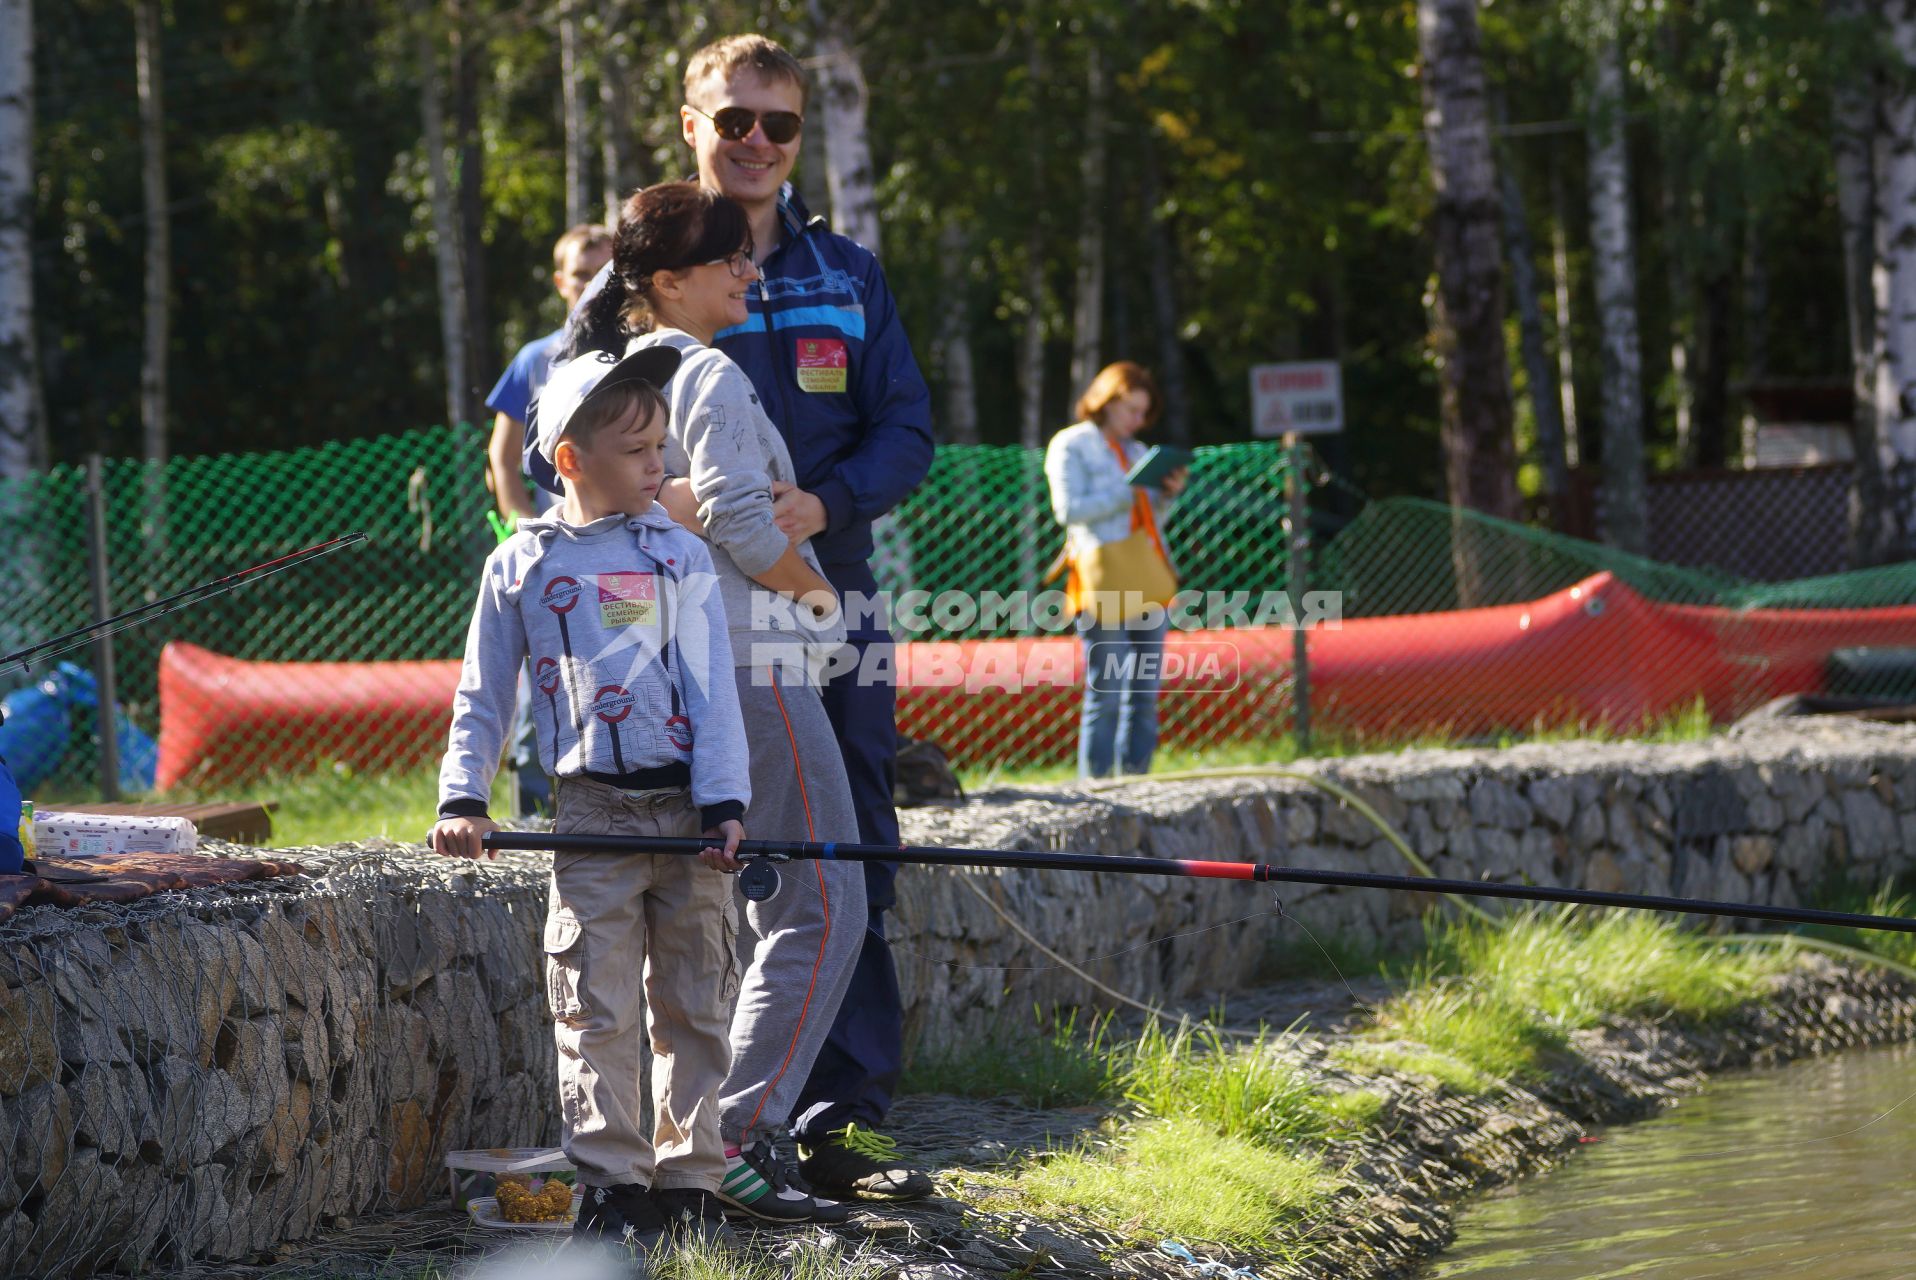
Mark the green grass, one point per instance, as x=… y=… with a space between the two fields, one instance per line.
x=1688 y=724
x=335 y=806
x=1061 y=1065
x=1498 y=999
x=1885 y=900
x=1246 y=1091
x=1177 y=1178
x=1391 y=1059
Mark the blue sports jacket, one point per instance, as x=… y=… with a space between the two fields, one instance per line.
x=826 y=352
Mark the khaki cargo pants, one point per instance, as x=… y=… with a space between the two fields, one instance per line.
x=667 y=921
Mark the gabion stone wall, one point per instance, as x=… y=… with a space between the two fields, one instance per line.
x=1765 y=814
x=205 y=1075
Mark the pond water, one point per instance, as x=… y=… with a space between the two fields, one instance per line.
x=1803 y=1170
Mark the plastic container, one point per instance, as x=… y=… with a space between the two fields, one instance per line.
x=94 y=835
x=27 y=840
x=475 y=1174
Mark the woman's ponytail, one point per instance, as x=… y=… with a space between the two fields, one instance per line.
x=600 y=324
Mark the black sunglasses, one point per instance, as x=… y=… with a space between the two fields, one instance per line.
x=734 y=124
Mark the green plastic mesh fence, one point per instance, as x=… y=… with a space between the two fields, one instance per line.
x=1429 y=624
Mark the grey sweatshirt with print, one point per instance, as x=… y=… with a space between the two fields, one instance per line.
x=632 y=661
x=721 y=440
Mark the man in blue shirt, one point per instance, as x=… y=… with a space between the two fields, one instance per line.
x=828 y=357
x=576 y=258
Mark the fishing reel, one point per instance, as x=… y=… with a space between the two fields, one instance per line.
x=759 y=879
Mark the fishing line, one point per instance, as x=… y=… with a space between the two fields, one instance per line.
x=21 y=659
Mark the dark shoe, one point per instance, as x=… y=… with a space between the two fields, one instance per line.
x=695 y=1216
x=621 y=1217
x=756 y=1184
x=857 y=1163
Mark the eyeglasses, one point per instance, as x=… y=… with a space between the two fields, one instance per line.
x=739 y=262
x=735 y=124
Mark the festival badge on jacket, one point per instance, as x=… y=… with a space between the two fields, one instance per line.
x=628 y=600
x=823 y=364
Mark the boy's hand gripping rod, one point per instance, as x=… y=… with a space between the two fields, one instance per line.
x=766 y=853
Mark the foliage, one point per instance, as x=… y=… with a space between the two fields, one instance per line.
x=1293 y=188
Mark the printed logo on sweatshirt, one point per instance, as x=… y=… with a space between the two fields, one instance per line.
x=613 y=704
x=628 y=600
x=823 y=364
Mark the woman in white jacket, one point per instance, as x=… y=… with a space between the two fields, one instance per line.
x=681 y=263
x=1085 y=466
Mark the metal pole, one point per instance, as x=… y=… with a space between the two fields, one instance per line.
x=99 y=571
x=1298 y=520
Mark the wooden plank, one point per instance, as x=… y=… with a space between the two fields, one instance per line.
x=240 y=822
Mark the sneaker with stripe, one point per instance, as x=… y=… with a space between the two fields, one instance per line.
x=755 y=1184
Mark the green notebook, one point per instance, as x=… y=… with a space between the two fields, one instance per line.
x=1159 y=461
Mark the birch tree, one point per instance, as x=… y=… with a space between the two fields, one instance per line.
x=23 y=437
x=1624 y=521
x=954 y=335
x=1565 y=319
x=1544 y=405
x=619 y=141
x=159 y=269
x=445 y=222
x=1479 y=451
x=1165 y=319
x=1853 y=108
x=572 y=91
x=843 y=101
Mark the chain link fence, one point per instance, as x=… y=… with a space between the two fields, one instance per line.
x=1432 y=624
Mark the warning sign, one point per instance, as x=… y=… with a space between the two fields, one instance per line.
x=823 y=364
x=628 y=600
x=1307 y=398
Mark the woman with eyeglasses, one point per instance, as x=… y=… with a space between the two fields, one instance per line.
x=681 y=263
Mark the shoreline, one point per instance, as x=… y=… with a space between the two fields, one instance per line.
x=1432 y=1151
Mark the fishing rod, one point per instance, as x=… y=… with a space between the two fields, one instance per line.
x=759 y=880
x=179 y=600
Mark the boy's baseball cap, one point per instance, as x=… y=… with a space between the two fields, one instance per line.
x=570 y=385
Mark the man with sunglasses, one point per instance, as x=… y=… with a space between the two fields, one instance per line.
x=828 y=357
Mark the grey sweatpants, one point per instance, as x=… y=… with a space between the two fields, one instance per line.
x=798 y=950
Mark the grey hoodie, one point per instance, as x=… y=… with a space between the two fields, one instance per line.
x=724 y=444
x=632 y=662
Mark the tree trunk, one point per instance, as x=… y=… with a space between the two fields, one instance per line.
x=1894 y=155
x=578 y=147
x=1625 y=521
x=954 y=336
x=1853 y=130
x=466 y=53
x=1544 y=403
x=1031 y=433
x=620 y=139
x=159 y=271
x=1710 y=375
x=1175 y=426
x=1087 y=330
x=843 y=101
x=445 y=223
x=1566 y=326
x=23 y=433
x=1480 y=468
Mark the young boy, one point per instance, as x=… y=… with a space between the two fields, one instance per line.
x=638 y=720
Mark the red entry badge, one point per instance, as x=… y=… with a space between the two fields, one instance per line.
x=823 y=364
